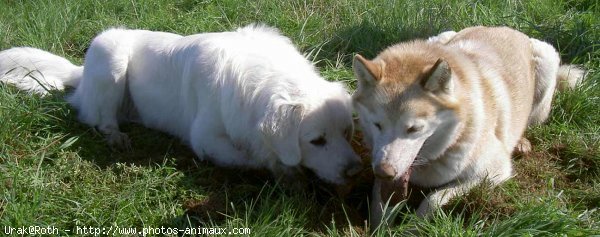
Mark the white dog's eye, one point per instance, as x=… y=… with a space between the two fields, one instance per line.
x=414 y=129
x=320 y=141
x=377 y=125
x=348 y=134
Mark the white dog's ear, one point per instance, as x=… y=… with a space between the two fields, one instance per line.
x=439 y=79
x=367 y=72
x=281 y=130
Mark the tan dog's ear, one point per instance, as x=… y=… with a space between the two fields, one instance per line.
x=439 y=78
x=281 y=130
x=367 y=72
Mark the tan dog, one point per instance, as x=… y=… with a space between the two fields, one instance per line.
x=452 y=109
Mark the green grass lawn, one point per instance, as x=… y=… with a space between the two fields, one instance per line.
x=57 y=172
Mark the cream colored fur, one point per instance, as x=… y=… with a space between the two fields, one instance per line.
x=453 y=108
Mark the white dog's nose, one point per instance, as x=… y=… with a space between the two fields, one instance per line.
x=353 y=169
x=384 y=171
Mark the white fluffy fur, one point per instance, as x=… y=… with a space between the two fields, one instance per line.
x=570 y=76
x=243 y=98
x=442 y=38
x=23 y=66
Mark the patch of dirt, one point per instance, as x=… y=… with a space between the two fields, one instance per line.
x=350 y=208
x=345 y=205
x=484 y=199
x=8 y=183
x=579 y=162
x=532 y=170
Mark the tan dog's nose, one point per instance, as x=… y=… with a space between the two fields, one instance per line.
x=353 y=169
x=384 y=171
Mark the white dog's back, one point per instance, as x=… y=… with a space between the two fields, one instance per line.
x=217 y=69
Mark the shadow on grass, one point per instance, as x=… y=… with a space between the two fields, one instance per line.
x=255 y=196
x=226 y=194
x=577 y=40
x=369 y=39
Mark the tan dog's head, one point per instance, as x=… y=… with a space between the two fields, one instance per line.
x=316 y=133
x=405 y=97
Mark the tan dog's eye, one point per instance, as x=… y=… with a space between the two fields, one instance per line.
x=320 y=141
x=414 y=129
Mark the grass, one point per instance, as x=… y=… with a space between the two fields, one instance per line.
x=57 y=172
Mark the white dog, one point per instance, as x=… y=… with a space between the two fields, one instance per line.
x=245 y=98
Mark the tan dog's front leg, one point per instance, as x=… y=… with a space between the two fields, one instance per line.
x=386 y=195
x=439 y=197
x=377 y=205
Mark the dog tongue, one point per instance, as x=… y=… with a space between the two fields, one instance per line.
x=399 y=188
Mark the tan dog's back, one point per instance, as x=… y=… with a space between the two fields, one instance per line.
x=508 y=53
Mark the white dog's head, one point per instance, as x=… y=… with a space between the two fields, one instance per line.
x=316 y=134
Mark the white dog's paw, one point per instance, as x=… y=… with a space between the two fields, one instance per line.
x=118 y=141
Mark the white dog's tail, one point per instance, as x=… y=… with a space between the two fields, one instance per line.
x=37 y=71
x=569 y=76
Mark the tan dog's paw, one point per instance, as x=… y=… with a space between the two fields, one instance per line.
x=523 y=146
